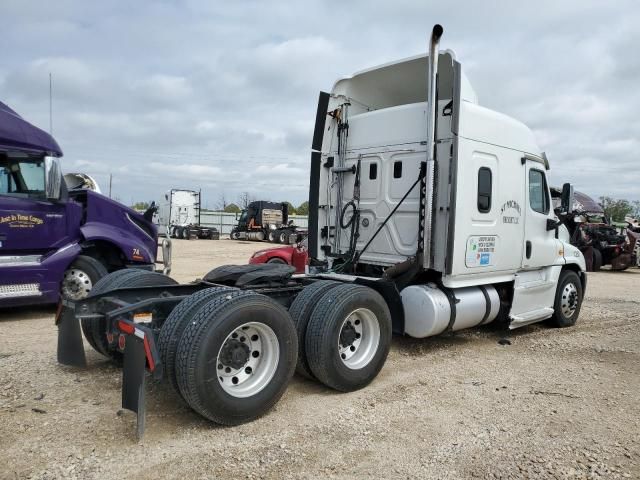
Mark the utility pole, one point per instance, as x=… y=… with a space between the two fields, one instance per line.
x=110 y=182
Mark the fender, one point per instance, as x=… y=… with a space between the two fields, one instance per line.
x=133 y=249
x=48 y=273
x=575 y=261
x=573 y=256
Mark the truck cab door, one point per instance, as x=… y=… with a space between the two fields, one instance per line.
x=29 y=224
x=540 y=247
x=535 y=283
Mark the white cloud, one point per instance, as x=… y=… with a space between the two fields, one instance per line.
x=222 y=95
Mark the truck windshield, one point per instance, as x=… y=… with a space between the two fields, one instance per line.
x=243 y=217
x=23 y=177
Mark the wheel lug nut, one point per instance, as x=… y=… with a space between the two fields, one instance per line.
x=353 y=349
x=220 y=366
x=248 y=370
x=343 y=356
x=254 y=338
x=228 y=370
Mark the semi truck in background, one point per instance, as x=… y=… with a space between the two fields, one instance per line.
x=591 y=231
x=178 y=216
x=262 y=220
x=433 y=214
x=57 y=241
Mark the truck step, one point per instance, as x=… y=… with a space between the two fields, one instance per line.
x=20 y=260
x=20 y=290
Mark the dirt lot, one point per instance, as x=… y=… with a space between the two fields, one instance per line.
x=553 y=404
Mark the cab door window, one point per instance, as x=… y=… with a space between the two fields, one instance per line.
x=21 y=177
x=538 y=196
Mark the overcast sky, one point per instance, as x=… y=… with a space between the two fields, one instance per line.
x=222 y=95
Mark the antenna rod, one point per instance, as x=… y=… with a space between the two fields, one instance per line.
x=50 y=104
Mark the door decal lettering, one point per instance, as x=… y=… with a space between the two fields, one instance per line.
x=512 y=207
x=17 y=220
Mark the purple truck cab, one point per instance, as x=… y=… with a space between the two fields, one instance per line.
x=55 y=242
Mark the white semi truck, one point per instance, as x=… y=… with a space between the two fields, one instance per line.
x=428 y=214
x=178 y=216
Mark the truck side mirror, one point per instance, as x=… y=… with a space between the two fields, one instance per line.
x=566 y=200
x=53 y=178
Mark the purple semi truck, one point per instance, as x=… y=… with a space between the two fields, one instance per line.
x=56 y=242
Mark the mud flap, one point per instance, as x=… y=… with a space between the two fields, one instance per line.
x=70 y=347
x=133 y=380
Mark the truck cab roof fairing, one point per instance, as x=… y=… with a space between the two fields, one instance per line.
x=18 y=134
x=396 y=83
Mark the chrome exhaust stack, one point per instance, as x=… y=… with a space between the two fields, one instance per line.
x=427 y=192
x=432 y=100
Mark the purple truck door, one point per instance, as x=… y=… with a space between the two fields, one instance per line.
x=29 y=226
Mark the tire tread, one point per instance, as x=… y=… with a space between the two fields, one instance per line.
x=173 y=327
x=300 y=311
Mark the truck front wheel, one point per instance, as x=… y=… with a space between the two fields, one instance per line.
x=597 y=260
x=348 y=337
x=80 y=277
x=568 y=300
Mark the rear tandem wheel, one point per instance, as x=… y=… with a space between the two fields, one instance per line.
x=300 y=311
x=235 y=357
x=348 y=337
x=173 y=327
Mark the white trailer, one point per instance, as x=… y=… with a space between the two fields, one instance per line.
x=178 y=216
x=428 y=214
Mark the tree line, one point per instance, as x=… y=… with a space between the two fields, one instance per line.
x=617 y=209
x=245 y=198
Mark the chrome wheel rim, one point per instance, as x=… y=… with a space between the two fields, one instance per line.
x=248 y=359
x=359 y=338
x=569 y=302
x=76 y=284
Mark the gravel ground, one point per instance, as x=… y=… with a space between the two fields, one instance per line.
x=552 y=404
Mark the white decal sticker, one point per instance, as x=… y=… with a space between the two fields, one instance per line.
x=481 y=251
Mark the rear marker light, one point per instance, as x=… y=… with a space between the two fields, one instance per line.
x=126 y=327
x=130 y=329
